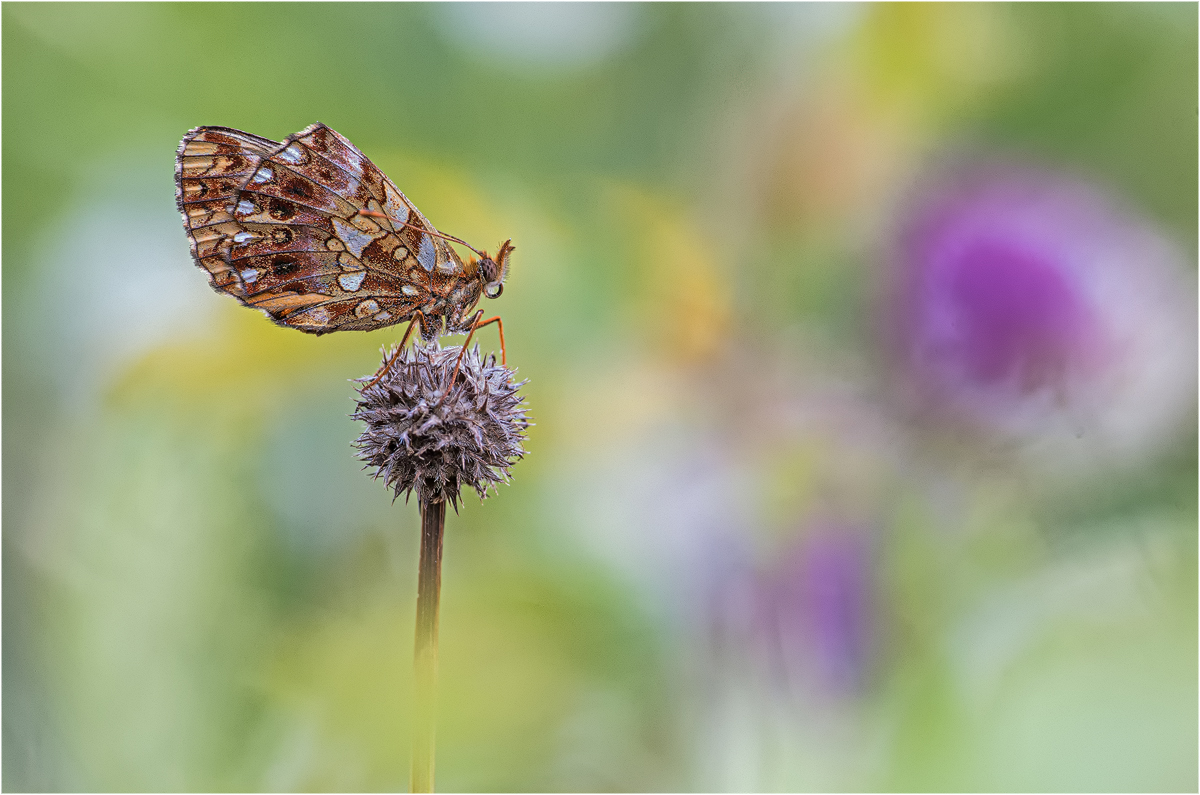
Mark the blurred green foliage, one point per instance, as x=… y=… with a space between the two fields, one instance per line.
x=202 y=591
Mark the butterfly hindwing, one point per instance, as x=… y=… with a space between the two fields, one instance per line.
x=209 y=168
x=307 y=230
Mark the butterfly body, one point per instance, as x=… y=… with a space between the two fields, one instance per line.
x=312 y=233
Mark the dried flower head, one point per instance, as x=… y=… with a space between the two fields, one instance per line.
x=419 y=438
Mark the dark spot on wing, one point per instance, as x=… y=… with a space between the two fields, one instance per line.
x=281 y=210
x=298 y=188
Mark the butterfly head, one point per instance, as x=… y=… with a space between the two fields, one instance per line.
x=492 y=272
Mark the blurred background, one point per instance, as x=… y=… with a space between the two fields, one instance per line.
x=861 y=342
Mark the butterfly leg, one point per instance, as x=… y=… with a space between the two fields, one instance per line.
x=418 y=316
x=475 y=326
x=499 y=327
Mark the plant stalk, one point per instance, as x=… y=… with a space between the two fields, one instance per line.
x=429 y=585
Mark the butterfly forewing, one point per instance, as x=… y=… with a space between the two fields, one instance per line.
x=307 y=229
x=432 y=252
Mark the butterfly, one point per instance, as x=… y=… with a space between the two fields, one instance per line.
x=312 y=233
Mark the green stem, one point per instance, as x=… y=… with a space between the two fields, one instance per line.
x=429 y=585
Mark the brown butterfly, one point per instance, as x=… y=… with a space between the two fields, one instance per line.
x=309 y=231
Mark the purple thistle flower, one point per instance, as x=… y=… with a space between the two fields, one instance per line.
x=819 y=604
x=1033 y=305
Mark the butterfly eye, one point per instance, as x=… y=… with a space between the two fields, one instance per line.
x=487 y=268
x=488 y=290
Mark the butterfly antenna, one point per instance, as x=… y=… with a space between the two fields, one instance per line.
x=421 y=229
x=447 y=237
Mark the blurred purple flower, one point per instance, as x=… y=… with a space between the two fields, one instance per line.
x=1032 y=304
x=818 y=606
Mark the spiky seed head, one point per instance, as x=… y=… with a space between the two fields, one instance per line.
x=426 y=435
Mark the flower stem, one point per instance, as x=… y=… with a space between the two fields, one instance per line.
x=429 y=584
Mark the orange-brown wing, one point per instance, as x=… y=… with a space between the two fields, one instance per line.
x=282 y=228
x=431 y=251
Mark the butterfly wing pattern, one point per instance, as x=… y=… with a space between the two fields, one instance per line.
x=307 y=230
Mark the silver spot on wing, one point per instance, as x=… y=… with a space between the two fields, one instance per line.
x=395 y=206
x=367 y=307
x=352 y=281
x=354 y=238
x=292 y=155
x=427 y=256
x=317 y=316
